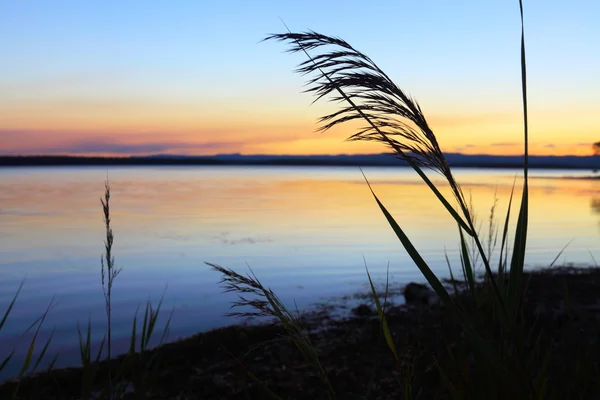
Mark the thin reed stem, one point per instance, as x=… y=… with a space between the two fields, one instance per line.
x=108 y=274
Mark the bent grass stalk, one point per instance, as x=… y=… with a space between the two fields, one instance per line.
x=265 y=303
x=347 y=75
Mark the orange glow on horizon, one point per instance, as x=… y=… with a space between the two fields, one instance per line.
x=287 y=130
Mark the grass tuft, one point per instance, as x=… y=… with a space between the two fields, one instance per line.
x=265 y=303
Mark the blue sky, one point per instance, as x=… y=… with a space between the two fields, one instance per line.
x=189 y=75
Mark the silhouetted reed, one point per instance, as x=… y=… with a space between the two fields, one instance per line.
x=499 y=349
x=267 y=304
x=101 y=378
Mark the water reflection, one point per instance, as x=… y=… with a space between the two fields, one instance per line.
x=596 y=204
x=303 y=231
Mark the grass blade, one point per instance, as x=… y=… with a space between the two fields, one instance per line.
x=468 y=268
x=52 y=363
x=443 y=200
x=384 y=325
x=452 y=278
x=504 y=243
x=416 y=257
x=29 y=355
x=518 y=258
x=560 y=253
x=43 y=352
x=133 y=337
x=11 y=305
x=481 y=345
x=6 y=360
x=145 y=323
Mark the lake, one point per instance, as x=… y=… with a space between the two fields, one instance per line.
x=306 y=232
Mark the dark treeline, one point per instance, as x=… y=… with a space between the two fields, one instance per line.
x=43 y=161
x=455 y=160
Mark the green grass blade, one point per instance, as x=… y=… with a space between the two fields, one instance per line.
x=416 y=257
x=384 y=325
x=43 y=352
x=593 y=259
x=145 y=323
x=6 y=360
x=166 y=328
x=560 y=253
x=442 y=199
x=153 y=318
x=29 y=356
x=453 y=279
x=484 y=347
x=133 y=337
x=53 y=362
x=387 y=286
x=468 y=267
x=524 y=91
x=504 y=243
x=102 y=344
x=85 y=346
x=518 y=259
x=11 y=305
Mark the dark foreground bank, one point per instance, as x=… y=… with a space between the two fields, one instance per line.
x=564 y=303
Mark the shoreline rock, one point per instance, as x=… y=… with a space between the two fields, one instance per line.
x=417 y=293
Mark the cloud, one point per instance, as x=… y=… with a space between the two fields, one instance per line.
x=504 y=144
x=109 y=147
x=463 y=147
x=224 y=239
x=549 y=146
x=49 y=142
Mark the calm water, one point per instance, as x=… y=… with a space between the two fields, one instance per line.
x=304 y=232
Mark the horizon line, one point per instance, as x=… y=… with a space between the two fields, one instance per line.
x=268 y=155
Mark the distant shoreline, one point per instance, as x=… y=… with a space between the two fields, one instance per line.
x=376 y=160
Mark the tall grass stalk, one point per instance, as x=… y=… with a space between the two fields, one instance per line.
x=108 y=272
x=136 y=366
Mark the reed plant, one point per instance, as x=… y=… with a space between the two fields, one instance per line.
x=135 y=366
x=501 y=356
x=102 y=376
x=108 y=273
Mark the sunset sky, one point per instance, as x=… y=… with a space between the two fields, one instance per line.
x=192 y=77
